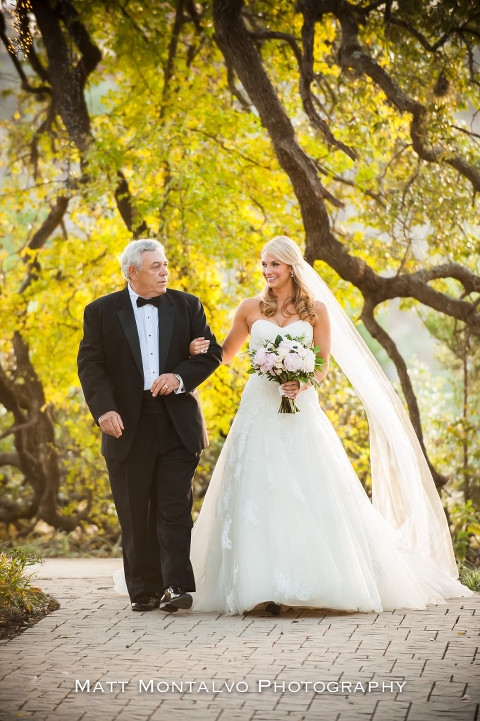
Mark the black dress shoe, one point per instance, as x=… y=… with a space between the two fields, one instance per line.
x=145 y=603
x=174 y=598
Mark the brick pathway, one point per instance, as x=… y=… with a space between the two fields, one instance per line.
x=183 y=666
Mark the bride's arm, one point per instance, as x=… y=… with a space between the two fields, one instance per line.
x=321 y=337
x=238 y=333
x=236 y=336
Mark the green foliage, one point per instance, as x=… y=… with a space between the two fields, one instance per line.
x=16 y=589
x=469 y=576
x=465 y=523
x=458 y=427
x=204 y=178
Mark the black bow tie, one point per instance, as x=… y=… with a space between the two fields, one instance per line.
x=152 y=301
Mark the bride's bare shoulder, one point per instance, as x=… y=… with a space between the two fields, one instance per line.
x=249 y=305
x=321 y=310
x=322 y=320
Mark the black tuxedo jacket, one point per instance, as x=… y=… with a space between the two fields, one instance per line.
x=111 y=373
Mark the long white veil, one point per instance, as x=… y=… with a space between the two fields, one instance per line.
x=403 y=490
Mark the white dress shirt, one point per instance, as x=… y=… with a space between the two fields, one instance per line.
x=146 y=319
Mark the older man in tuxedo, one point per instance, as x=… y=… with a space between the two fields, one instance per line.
x=141 y=387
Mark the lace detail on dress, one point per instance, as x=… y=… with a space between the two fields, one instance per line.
x=226 y=542
x=291 y=588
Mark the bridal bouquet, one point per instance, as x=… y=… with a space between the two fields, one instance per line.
x=287 y=359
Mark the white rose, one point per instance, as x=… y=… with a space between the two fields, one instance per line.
x=309 y=365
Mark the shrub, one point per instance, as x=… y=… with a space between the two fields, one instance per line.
x=16 y=589
x=469 y=576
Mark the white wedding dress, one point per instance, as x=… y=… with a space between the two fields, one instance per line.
x=285 y=518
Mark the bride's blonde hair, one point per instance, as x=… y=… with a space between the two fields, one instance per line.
x=303 y=300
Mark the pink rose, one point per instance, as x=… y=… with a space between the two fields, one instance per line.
x=293 y=362
x=268 y=362
x=259 y=357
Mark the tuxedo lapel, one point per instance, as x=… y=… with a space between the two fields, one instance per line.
x=166 y=317
x=127 y=320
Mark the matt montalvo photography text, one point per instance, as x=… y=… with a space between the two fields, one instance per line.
x=260 y=686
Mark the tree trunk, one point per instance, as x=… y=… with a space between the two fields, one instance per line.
x=243 y=58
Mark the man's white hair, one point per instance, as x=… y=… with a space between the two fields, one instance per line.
x=132 y=254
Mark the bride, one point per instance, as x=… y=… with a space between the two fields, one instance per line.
x=285 y=520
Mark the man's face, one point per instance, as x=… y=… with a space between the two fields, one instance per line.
x=151 y=280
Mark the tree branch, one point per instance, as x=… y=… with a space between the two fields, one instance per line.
x=233 y=151
x=353 y=56
x=306 y=78
x=432 y=48
x=26 y=85
x=9 y=459
x=273 y=35
x=469 y=280
x=129 y=213
x=17 y=427
x=377 y=332
x=172 y=49
x=40 y=237
x=239 y=51
x=244 y=102
x=90 y=53
x=377 y=197
x=9 y=399
x=237 y=47
x=66 y=80
x=68 y=83
x=418 y=35
x=52 y=220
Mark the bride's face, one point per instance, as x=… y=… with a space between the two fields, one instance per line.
x=276 y=273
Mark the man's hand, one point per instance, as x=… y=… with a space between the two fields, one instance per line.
x=111 y=424
x=164 y=384
x=199 y=345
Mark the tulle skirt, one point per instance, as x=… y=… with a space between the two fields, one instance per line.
x=286 y=519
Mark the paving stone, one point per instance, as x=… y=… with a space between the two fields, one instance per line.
x=94 y=636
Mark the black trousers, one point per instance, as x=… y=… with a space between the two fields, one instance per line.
x=152 y=490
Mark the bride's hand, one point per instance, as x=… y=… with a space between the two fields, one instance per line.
x=292 y=388
x=199 y=345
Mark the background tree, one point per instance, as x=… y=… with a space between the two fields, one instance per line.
x=214 y=128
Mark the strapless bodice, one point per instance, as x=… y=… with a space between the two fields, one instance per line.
x=263 y=330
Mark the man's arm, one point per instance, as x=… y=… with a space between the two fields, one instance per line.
x=193 y=371
x=91 y=366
